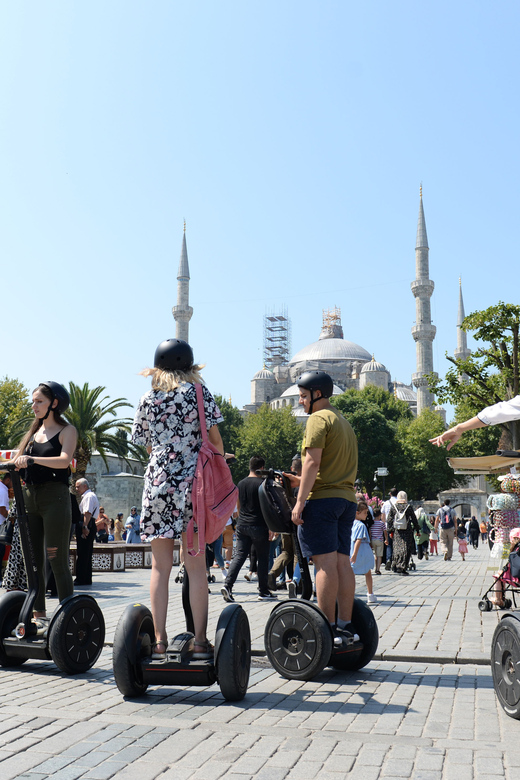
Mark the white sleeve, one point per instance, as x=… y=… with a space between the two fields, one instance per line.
x=501 y=412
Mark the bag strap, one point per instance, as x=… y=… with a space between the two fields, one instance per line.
x=202 y=414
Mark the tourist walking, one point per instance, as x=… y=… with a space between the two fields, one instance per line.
x=422 y=538
x=461 y=540
x=251 y=529
x=402 y=523
x=361 y=554
x=474 y=532
x=167 y=423
x=434 y=536
x=378 y=539
x=445 y=527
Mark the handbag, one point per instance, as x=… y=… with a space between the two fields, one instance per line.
x=6 y=532
x=213 y=494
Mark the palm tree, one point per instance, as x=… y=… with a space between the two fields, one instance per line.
x=87 y=413
x=92 y=414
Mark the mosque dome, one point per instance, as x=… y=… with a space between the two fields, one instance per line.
x=264 y=373
x=373 y=365
x=331 y=349
x=405 y=393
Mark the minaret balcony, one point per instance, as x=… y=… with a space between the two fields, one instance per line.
x=422 y=288
x=424 y=332
x=182 y=313
x=420 y=380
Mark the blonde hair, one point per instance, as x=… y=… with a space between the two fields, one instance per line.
x=170 y=380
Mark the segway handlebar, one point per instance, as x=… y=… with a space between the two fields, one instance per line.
x=8 y=465
x=508 y=453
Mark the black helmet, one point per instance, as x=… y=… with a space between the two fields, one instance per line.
x=316 y=380
x=59 y=393
x=173 y=355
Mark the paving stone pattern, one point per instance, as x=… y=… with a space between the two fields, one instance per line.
x=425 y=708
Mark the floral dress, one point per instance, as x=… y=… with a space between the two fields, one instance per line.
x=169 y=424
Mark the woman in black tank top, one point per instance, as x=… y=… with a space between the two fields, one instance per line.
x=48 y=448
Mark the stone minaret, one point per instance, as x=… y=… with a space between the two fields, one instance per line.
x=462 y=350
x=182 y=313
x=423 y=331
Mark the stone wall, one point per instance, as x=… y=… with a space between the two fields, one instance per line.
x=117 y=488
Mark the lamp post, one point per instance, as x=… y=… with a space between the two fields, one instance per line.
x=382 y=471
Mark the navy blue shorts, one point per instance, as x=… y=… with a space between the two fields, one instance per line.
x=327 y=525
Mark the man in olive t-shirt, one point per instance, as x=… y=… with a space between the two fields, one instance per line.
x=326 y=505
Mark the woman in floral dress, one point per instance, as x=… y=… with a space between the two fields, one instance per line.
x=167 y=424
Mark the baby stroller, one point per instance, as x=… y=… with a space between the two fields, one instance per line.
x=506 y=581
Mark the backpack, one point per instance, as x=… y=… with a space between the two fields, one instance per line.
x=213 y=494
x=424 y=528
x=400 y=519
x=446 y=518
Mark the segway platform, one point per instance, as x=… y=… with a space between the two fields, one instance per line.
x=135 y=670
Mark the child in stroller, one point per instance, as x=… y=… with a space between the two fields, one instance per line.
x=507 y=580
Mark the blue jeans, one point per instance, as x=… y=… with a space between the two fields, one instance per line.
x=217 y=551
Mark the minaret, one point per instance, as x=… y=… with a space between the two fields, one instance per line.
x=462 y=350
x=182 y=313
x=423 y=331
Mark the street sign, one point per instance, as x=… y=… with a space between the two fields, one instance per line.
x=382 y=472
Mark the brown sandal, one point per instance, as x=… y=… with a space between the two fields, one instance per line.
x=157 y=655
x=203 y=651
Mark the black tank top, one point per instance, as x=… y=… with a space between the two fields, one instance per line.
x=36 y=474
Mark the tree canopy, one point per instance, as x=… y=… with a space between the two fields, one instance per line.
x=15 y=404
x=491 y=373
x=232 y=425
x=272 y=433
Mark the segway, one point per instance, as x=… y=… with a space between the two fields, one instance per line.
x=298 y=638
x=72 y=637
x=135 y=670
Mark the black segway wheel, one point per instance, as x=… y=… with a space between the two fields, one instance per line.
x=10 y=608
x=234 y=656
x=298 y=640
x=133 y=640
x=76 y=635
x=365 y=626
x=505 y=665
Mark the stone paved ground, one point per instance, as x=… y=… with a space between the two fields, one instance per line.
x=425 y=709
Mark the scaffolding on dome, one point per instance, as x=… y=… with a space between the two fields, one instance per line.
x=277 y=338
x=331 y=322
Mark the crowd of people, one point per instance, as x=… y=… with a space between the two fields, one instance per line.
x=339 y=531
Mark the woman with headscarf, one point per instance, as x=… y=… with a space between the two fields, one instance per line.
x=402 y=523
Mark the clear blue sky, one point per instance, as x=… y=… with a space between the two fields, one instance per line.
x=292 y=136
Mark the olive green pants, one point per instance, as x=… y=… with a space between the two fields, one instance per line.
x=49 y=513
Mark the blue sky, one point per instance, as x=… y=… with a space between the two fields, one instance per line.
x=291 y=136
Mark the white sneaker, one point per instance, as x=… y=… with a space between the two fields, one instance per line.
x=224 y=574
x=371 y=599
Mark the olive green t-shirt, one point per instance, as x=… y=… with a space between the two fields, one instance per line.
x=329 y=431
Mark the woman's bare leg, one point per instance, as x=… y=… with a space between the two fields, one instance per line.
x=162 y=562
x=196 y=568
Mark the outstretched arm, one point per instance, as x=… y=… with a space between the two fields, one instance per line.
x=453 y=434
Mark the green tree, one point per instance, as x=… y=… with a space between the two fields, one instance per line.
x=374 y=414
x=426 y=468
x=230 y=428
x=272 y=433
x=14 y=405
x=492 y=370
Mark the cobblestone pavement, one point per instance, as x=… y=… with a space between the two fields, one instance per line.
x=425 y=708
